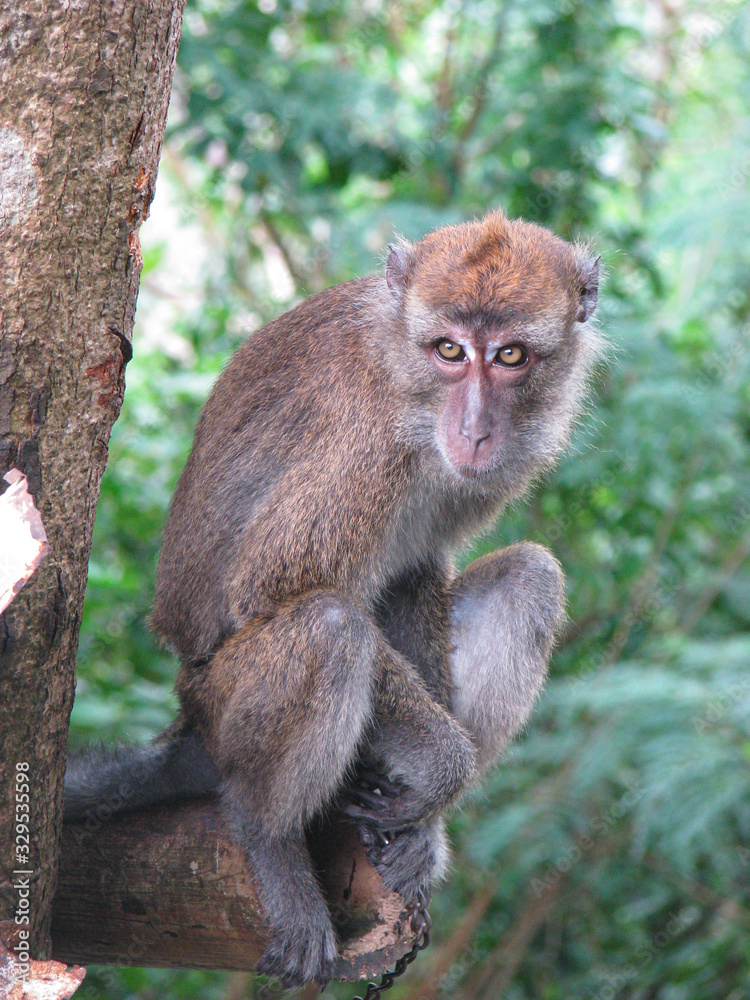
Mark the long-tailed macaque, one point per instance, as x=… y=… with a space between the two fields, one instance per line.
x=331 y=656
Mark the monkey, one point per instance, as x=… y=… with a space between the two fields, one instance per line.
x=332 y=658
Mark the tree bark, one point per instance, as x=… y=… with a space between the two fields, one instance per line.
x=167 y=888
x=84 y=90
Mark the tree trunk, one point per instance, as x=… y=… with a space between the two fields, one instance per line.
x=84 y=90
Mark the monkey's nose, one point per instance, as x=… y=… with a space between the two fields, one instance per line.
x=475 y=436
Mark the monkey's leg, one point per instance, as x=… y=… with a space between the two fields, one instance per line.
x=413 y=613
x=414 y=616
x=416 y=740
x=505 y=611
x=417 y=759
x=292 y=694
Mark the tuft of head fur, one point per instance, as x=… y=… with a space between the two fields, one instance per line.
x=493 y=267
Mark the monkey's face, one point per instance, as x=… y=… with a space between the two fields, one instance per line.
x=501 y=400
x=494 y=333
x=478 y=377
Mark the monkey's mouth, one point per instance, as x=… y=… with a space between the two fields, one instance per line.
x=469 y=471
x=464 y=468
x=472 y=471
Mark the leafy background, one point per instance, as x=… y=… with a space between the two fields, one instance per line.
x=608 y=857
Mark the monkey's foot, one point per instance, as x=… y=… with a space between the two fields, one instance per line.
x=406 y=861
x=302 y=952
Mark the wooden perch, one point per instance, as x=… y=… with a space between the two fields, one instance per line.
x=167 y=888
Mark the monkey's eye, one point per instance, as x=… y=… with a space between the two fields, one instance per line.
x=449 y=351
x=512 y=356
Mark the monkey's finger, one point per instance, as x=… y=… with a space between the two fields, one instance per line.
x=365 y=798
x=366 y=836
x=386 y=822
x=387 y=814
x=375 y=842
x=373 y=780
x=362 y=814
x=382 y=838
x=370 y=836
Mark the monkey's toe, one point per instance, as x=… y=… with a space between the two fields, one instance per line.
x=299 y=955
x=366 y=799
x=408 y=863
x=357 y=807
x=373 y=840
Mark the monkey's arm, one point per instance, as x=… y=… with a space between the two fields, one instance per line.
x=506 y=609
x=503 y=614
x=414 y=615
x=416 y=759
x=425 y=755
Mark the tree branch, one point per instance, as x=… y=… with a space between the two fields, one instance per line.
x=167 y=888
x=479 y=95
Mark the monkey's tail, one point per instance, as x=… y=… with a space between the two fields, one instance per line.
x=102 y=781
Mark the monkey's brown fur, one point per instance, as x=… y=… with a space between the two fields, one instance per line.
x=306 y=576
x=503 y=266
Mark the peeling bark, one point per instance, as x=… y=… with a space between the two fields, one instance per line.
x=84 y=90
x=24 y=541
x=37 y=980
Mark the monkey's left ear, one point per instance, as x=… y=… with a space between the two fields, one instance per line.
x=397 y=266
x=589 y=277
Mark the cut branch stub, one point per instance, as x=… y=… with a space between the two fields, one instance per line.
x=167 y=888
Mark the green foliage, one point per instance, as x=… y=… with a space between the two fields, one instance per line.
x=303 y=134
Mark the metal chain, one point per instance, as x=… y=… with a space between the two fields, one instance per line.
x=420 y=924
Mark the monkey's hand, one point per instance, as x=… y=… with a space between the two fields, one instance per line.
x=374 y=800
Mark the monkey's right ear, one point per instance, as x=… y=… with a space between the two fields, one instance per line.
x=589 y=275
x=397 y=266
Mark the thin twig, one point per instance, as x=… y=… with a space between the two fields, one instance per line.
x=238 y=986
x=278 y=241
x=479 y=96
x=444 y=89
x=643 y=587
x=697 y=891
x=310 y=992
x=731 y=563
x=645 y=583
x=503 y=962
